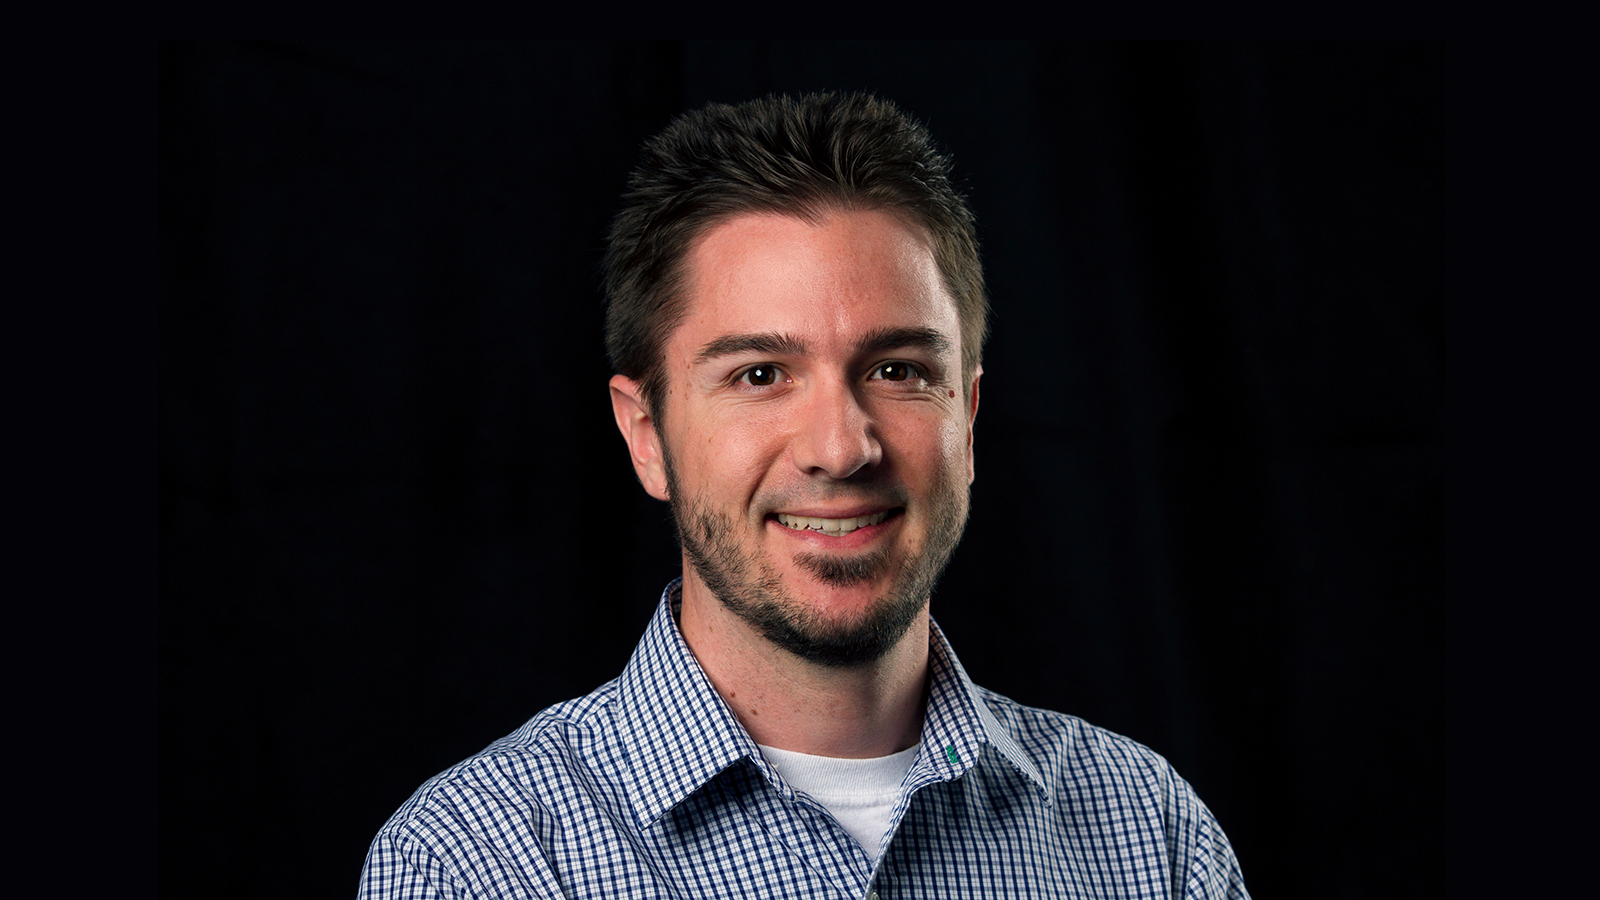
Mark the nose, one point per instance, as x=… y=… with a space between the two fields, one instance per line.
x=835 y=437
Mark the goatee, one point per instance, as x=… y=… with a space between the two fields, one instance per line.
x=752 y=590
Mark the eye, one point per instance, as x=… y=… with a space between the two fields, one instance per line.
x=760 y=376
x=896 y=371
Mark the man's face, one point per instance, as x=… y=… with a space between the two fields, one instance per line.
x=815 y=434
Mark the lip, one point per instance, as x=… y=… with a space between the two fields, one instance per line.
x=847 y=512
x=859 y=538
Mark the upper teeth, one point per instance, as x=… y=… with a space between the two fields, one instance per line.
x=832 y=526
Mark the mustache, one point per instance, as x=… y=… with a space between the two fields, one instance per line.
x=886 y=495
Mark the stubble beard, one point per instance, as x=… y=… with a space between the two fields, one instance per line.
x=755 y=592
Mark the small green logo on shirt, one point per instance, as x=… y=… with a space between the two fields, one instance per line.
x=955 y=758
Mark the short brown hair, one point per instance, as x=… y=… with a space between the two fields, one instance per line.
x=795 y=156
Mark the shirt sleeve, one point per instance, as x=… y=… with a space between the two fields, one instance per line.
x=410 y=862
x=1213 y=872
x=1205 y=867
x=392 y=873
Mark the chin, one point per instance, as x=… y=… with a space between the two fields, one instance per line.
x=842 y=641
x=840 y=571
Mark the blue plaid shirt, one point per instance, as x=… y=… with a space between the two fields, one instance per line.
x=649 y=787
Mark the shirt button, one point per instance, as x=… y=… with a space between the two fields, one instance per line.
x=872 y=895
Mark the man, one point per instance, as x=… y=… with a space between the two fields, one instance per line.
x=796 y=316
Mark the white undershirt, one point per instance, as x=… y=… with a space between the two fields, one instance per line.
x=860 y=793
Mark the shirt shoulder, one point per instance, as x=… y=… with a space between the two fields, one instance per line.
x=1118 y=792
x=559 y=741
x=519 y=795
x=1068 y=749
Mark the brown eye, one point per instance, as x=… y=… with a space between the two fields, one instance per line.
x=761 y=376
x=896 y=371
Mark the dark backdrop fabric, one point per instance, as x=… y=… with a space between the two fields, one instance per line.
x=396 y=519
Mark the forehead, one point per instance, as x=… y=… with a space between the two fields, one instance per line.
x=826 y=280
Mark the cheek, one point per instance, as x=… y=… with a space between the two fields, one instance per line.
x=732 y=458
x=953 y=440
x=936 y=449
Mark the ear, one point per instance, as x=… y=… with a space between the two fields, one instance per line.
x=639 y=430
x=972 y=417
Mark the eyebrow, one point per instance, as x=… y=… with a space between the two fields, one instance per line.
x=764 y=342
x=778 y=344
x=929 y=340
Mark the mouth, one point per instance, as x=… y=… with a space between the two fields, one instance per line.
x=833 y=527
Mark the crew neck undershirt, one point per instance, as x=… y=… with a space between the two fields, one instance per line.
x=860 y=793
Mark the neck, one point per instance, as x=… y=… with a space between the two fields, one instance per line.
x=785 y=701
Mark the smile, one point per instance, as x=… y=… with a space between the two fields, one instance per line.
x=831 y=526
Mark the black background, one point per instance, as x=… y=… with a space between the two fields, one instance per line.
x=396 y=519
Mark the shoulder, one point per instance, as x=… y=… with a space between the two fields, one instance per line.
x=1053 y=740
x=524 y=786
x=1091 y=770
x=537 y=762
x=1110 y=785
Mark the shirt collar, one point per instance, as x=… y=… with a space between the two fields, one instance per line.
x=679 y=733
x=958 y=723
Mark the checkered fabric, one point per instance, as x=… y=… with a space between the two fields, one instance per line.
x=649 y=787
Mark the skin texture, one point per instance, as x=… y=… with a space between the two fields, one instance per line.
x=817 y=372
